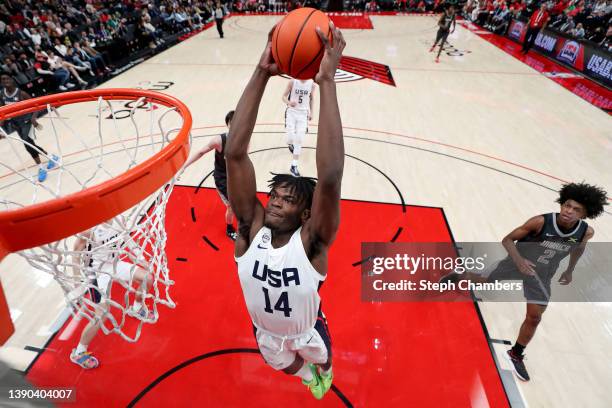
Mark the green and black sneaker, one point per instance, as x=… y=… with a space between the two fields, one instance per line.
x=316 y=384
x=326 y=380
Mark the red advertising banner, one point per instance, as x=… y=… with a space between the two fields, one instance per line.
x=517 y=30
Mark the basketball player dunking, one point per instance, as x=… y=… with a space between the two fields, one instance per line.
x=281 y=250
x=541 y=243
x=299 y=98
x=446 y=19
x=218 y=143
x=101 y=268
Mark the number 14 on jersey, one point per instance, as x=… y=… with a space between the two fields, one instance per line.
x=281 y=305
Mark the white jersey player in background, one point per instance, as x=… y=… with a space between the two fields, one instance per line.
x=98 y=254
x=299 y=98
x=282 y=249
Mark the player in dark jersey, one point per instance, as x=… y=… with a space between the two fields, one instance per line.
x=541 y=243
x=10 y=94
x=446 y=19
x=217 y=144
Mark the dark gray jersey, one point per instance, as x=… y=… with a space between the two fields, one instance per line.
x=548 y=248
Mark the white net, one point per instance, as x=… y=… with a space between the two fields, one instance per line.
x=115 y=272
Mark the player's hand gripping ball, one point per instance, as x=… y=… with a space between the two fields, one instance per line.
x=296 y=46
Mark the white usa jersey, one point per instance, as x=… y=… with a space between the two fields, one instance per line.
x=103 y=245
x=280 y=285
x=300 y=93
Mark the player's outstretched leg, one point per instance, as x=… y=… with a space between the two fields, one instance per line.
x=142 y=278
x=297 y=149
x=433 y=46
x=438 y=38
x=290 y=124
x=533 y=318
x=290 y=129
x=80 y=355
x=301 y=126
x=229 y=221
x=441 y=47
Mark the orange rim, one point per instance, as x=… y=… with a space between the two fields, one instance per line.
x=62 y=217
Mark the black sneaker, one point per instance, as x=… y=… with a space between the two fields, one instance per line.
x=294 y=171
x=231 y=234
x=519 y=366
x=290 y=147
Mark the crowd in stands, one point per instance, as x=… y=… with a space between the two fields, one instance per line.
x=589 y=20
x=55 y=45
x=274 y=6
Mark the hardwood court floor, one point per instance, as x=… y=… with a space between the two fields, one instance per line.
x=481 y=135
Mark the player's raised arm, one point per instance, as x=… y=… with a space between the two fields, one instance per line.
x=312 y=101
x=286 y=95
x=213 y=144
x=325 y=214
x=240 y=171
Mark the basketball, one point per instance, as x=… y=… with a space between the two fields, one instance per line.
x=296 y=47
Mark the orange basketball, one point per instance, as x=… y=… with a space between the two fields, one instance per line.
x=296 y=47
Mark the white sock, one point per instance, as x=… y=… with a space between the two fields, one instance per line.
x=294 y=162
x=304 y=373
x=81 y=348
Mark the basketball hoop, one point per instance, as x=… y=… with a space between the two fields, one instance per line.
x=117 y=171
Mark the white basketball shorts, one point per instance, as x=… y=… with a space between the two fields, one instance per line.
x=123 y=271
x=296 y=123
x=279 y=352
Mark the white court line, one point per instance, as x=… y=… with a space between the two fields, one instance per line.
x=478 y=396
x=15 y=313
